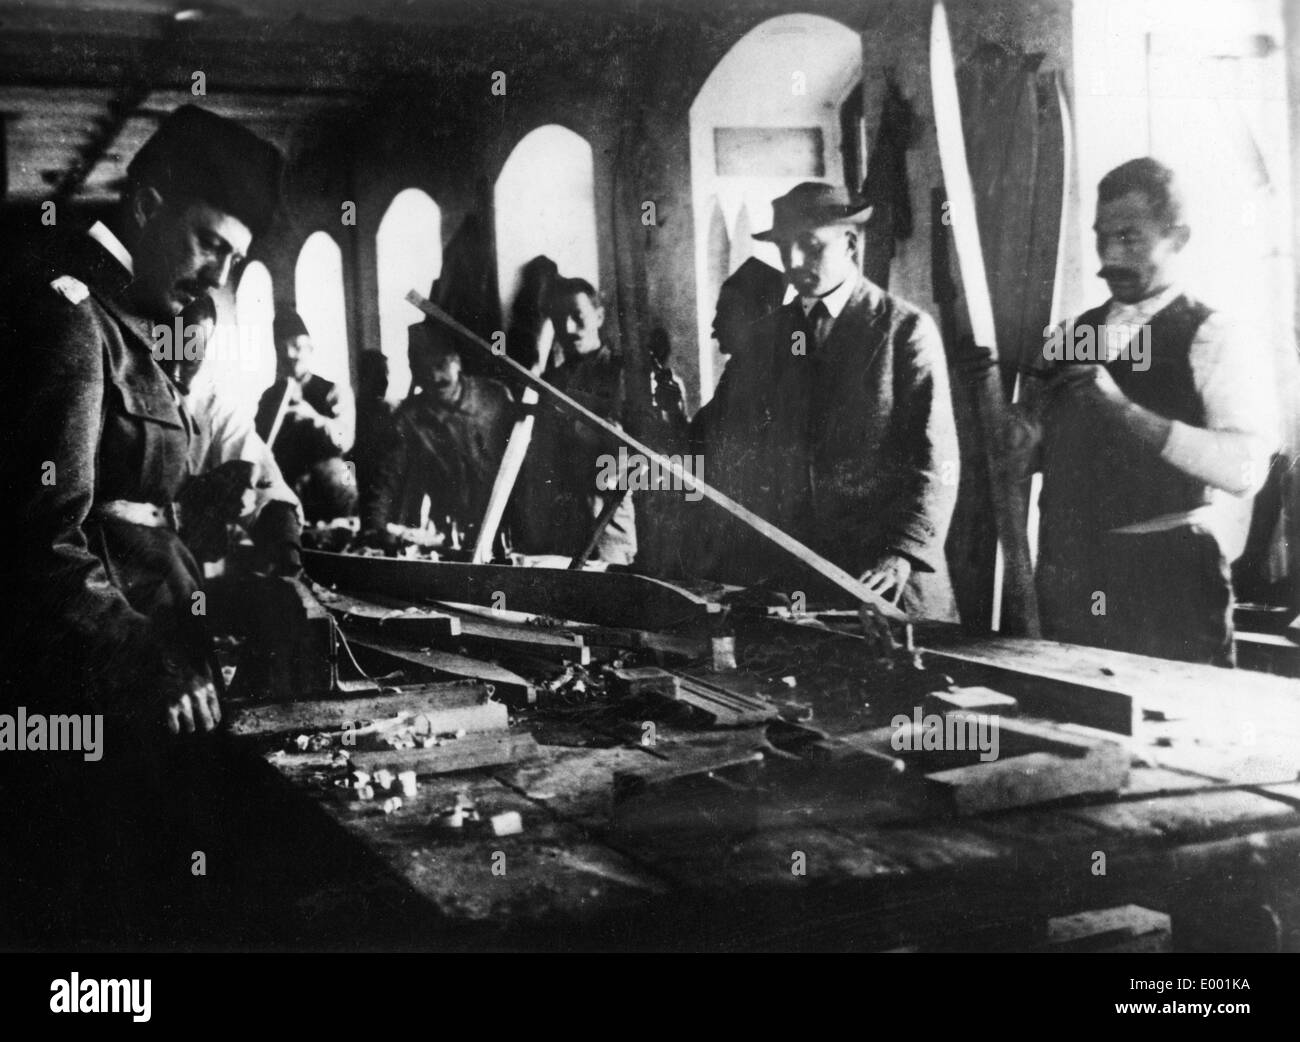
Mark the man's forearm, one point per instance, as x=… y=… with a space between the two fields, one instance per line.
x=1232 y=461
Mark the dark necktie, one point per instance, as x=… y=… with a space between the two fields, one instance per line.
x=815 y=325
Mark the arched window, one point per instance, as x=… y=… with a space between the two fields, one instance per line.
x=408 y=246
x=545 y=203
x=766 y=119
x=254 y=312
x=318 y=287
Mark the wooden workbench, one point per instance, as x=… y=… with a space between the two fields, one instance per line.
x=1206 y=830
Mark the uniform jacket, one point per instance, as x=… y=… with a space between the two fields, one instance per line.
x=103 y=608
x=449 y=454
x=861 y=443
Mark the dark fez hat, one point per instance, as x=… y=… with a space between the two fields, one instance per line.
x=287 y=325
x=812 y=205
x=431 y=337
x=200 y=154
x=758 y=282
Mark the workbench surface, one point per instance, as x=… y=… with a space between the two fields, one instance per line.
x=1207 y=828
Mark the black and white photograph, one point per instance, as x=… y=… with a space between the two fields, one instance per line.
x=650 y=476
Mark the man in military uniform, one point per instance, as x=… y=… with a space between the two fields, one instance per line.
x=104 y=600
x=98 y=437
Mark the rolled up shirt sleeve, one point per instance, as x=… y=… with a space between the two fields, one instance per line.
x=1231 y=373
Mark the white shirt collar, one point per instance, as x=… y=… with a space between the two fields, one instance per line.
x=1144 y=309
x=100 y=233
x=835 y=300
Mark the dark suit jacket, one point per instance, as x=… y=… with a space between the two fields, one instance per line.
x=103 y=608
x=861 y=441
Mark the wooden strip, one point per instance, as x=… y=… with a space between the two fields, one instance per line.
x=512 y=461
x=1008 y=500
x=408 y=622
x=613 y=598
x=459 y=754
x=472 y=630
x=269 y=718
x=504 y=683
x=1022 y=781
x=788 y=543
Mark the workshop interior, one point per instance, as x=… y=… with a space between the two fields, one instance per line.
x=650 y=475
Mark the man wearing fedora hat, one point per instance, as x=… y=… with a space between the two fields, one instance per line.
x=856 y=416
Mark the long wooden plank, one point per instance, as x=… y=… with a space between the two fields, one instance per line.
x=512 y=461
x=397 y=618
x=1008 y=500
x=786 y=542
x=609 y=598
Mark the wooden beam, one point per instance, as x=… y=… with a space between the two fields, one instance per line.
x=805 y=555
x=1008 y=498
x=612 y=598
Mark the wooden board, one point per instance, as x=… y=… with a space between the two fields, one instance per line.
x=504 y=683
x=609 y=598
x=486 y=749
x=264 y=719
x=404 y=622
x=1114 y=690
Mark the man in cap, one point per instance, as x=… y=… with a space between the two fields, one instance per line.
x=308 y=421
x=451 y=434
x=105 y=610
x=98 y=436
x=858 y=416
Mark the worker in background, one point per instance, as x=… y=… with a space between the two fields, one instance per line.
x=725 y=431
x=1153 y=427
x=376 y=426
x=451 y=433
x=309 y=422
x=858 y=424
x=266 y=508
x=589 y=371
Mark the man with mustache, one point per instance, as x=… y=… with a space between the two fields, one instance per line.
x=97 y=436
x=105 y=607
x=1149 y=457
x=451 y=433
x=309 y=422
